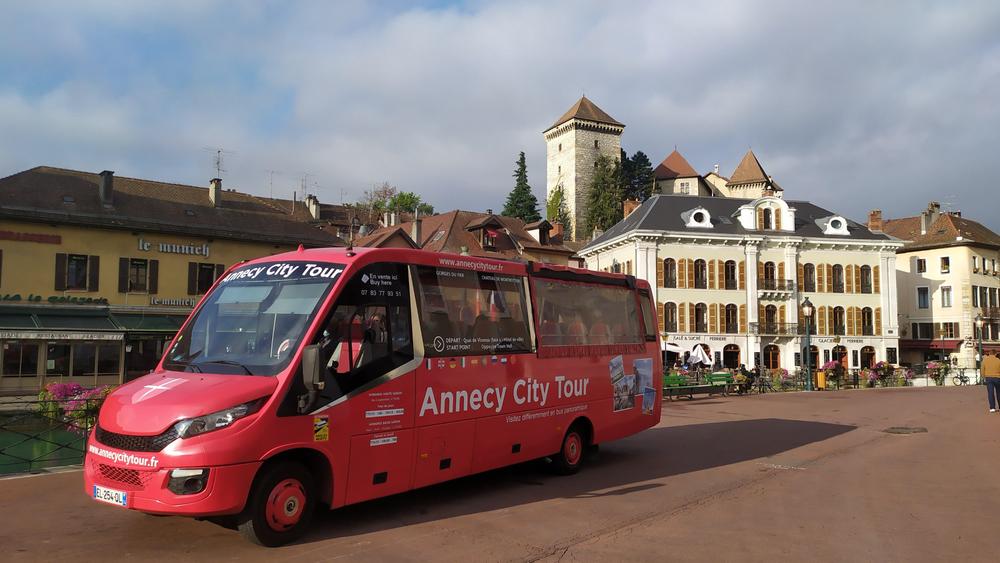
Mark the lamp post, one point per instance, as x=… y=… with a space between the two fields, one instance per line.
x=807 y=313
x=980 y=321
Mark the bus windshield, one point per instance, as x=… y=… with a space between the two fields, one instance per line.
x=254 y=319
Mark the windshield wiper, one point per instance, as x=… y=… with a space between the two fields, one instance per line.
x=229 y=363
x=184 y=366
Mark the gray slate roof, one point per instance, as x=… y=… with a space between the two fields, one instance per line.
x=663 y=213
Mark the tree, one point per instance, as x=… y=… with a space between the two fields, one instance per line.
x=641 y=186
x=604 y=200
x=555 y=207
x=521 y=203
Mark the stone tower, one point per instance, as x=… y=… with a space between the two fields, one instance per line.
x=572 y=146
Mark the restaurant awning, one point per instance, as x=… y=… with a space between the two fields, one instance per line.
x=83 y=320
x=140 y=322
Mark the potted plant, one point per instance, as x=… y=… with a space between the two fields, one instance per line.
x=72 y=404
x=884 y=371
x=870 y=377
x=938 y=371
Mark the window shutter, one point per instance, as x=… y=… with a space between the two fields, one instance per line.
x=876 y=281
x=192 y=278
x=821 y=321
x=781 y=315
x=777 y=219
x=154 y=277
x=760 y=218
x=849 y=278
x=743 y=274
x=93 y=273
x=743 y=319
x=801 y=276
x=681 y=317
x=660 y=312
x=829 y=278
x=713 y=318
x=857 y=279
x=878 y=320
x=851 y=319
x=820 y=271
x=720 y=274
x=659 y=273
x=781 y=270
x=711 y=274
x=690 y=273
x=123 y=275
x=692 y=321
x=760 y=272
x=60 y=284
x=682 y=276
x=760 y=314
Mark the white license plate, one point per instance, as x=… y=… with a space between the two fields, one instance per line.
x=110 y=496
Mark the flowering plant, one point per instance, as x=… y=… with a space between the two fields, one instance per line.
x=938 y=371
x=72 y=403
x=831 y=365
x=870 y=375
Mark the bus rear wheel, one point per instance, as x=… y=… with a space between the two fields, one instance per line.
x=570 y=456
x=280 y=506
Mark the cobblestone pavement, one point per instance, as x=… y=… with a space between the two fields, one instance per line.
x=790 y=477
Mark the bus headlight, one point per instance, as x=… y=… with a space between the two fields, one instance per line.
x=199 y=425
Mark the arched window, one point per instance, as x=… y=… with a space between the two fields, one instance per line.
x=732 y=319
x=840 y=355
x=868 y=357
x=838 y=278
x=867 y=322
x=772 y=357
x=770 y=320
x=670 y=272
x=770 y=273
x=767 y=219
x=701 y=317
x=839 y=321
x=809 y=277
x=812 y=356
x=731 y=274
x=670 y=320
x=700 y=274
x=731 y=356
x=866 y=279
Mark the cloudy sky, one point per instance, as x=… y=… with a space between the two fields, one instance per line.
x=851 y=105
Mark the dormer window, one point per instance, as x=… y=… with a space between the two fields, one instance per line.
x=766 y=224
x=697 y=217
x=489 y=238
x=833 y=225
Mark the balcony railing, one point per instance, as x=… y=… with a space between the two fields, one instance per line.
x=767 y=284
x=990 y=312
x=774 y=329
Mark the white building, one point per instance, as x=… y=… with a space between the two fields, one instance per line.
x=730 y=273
x=948 y=274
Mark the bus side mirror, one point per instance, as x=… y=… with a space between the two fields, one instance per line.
x=312 y=377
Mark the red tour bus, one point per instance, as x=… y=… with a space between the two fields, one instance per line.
x=334 y=376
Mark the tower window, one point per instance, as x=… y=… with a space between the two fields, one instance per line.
x=560 y=169
x=596 y=144
x=560 y=146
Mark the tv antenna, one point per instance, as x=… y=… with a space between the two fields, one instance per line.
x=217 y=161
x=270 y=182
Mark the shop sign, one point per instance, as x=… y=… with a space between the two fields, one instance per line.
x=30 y=237
x=39 y=335
x=182 y=302
x=54 y=299
x=193 y=249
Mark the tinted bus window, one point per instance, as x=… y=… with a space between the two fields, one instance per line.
x=575 y=314
x=648 y=318
x=471 y=313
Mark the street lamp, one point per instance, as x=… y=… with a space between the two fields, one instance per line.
x=980 y=321
x=807 y=313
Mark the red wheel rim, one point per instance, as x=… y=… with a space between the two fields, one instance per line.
x=285 y=504
x=572 y=448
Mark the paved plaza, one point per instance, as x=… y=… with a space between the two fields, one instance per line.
x=789 y=477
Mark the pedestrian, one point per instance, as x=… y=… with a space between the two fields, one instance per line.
x=991 y=371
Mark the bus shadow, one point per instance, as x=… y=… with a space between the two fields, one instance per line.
x=621 y=465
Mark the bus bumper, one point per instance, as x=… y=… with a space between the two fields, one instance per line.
x=146 y=490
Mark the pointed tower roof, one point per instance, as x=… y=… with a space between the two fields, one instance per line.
x=674 y=166
x=586 y=109
x=749 y=171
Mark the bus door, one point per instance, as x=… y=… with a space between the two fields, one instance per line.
x=367 y=347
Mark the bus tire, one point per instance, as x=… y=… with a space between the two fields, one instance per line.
x=570 y=456
x=280 y=505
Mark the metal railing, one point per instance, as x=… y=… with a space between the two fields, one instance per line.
x=774 y=329
x=767 y=284
x=38 y=433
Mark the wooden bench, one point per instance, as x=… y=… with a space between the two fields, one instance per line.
x=679 y=386
x=724 y=382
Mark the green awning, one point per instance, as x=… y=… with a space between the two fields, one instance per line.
x=80 y=321
x=13 y=320
x=138 y=322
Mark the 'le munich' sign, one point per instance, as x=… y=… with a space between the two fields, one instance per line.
x=171 y=248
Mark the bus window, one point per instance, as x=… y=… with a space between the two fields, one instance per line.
x=648 y=318
x=471 y=313
x=574 y=314
x=368 y=332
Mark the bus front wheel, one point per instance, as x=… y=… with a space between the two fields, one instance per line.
x=280 y=506
x=570 y=456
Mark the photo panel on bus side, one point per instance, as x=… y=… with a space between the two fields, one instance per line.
x=465 y=313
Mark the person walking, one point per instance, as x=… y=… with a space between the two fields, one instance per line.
x=991 y=371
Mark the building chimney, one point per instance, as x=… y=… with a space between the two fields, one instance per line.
x=312 y=204
x=489 y=212
x=630 y=205
x=715 y=168
x=875 y=220
x=556 y=231
x=106 y=190
x=215 y=192
x=416 y=234
x=929 y=216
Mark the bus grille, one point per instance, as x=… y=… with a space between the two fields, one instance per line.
x=136 y=443
x=128 y=479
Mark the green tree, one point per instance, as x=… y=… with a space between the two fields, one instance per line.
x=406 y=201
x=555 y=207
x=604 y=200
x=521 y=202
x=641 y=181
